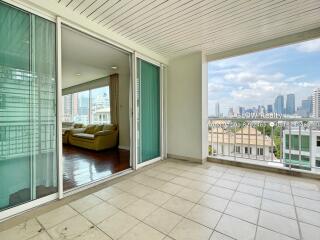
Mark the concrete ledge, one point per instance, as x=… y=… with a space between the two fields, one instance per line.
x=190 y=159
x=285 y=171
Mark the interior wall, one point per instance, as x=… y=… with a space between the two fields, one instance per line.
x=124 y=121
x=187 y=107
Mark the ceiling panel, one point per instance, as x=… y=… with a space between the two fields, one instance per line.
x=178 y=27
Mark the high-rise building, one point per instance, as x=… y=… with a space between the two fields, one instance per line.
x=241 y=110
x=230 y=113
x=269 y=108
x=306 y=105
x=217 y=110
x=316 y=103
x=279 y=104
x=290 y=104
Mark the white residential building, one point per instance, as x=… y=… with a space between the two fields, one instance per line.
x=316 y=102
x=303 y=153
x=247 y=143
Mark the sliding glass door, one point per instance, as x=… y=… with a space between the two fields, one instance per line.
x=28 y=167
x=148 y=112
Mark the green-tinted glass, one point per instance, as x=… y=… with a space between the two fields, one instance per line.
x=149 y=111
x=304 y=143
x=27 y=107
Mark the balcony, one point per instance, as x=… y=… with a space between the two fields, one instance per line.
x=180 y=200
x=291 y=144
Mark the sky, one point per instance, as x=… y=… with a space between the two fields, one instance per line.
x=257 y=78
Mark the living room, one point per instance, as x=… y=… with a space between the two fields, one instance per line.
x=95 y=110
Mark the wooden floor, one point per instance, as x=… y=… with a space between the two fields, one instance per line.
x=82 y=166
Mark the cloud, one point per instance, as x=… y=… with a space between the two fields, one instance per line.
x=310 y=46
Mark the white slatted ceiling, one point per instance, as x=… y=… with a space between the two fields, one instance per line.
x=177 y=27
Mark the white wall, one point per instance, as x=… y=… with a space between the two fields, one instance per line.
x=187 y=107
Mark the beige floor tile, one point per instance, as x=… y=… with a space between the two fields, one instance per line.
x=204 y=216
x=157 y=197
x=221 y=192
x=247 y=199
x=265 y=234
x=256 y=191
x=305 y=185
x=122 y=200
x=236 y=228
x=139 y=190
x=253 y=182
x=243 y=212
x=190 y=230
x=308 y=216
x=127 y=184
x=70 y=228
x=166 y=176
x=178 y=206
x=279 y=224
x=227 y=184
x=118 y=224
x=22 y=231
x=219 y=236
x=41 y=236
x=231 y=177
x=142 y=232
x=181 y=181
x=56 y=216
x=100 y=212
x=85 y=203
x=214 y=202
x=199 y=186
x=107 y=193
x=278 y=196
x=170 y=188
x=152 y=172
x=314 y=195
x=278 y=208
x=190 y=194
x=92 y=234
x=278 y=187
x=163 y=220
x=140 y=209
x=307 y=203
x=309 y=232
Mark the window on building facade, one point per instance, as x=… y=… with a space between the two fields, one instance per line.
x=318 y=141
x=260 y=151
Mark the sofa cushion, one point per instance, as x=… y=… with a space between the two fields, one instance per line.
x=78 y=125
x=98 y=128
x=84 y=135
x=90 y=129
x=111 y=127
x=67 y=124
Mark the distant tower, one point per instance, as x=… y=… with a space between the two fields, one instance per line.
x=290 y=104
x=279 y=104
x=230 y=113
x=269 y=108
x=217 y=110
x=241 y=110
x=316 y=103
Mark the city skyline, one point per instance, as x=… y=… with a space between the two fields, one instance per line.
x=258 y=78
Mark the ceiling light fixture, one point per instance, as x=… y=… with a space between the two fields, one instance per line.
x=114 y=67
x=78 y=74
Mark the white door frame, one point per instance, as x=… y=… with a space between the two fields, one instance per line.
x=137 y=165
x=5 y=214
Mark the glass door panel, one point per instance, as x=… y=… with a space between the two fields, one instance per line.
x=27 y=107
x=148 y=111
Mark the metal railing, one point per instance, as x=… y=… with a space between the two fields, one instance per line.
x=283 y=142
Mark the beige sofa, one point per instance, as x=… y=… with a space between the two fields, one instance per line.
x=95 y=137
x=66 y=127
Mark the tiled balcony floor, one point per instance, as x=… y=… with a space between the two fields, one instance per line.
x=179 y=200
